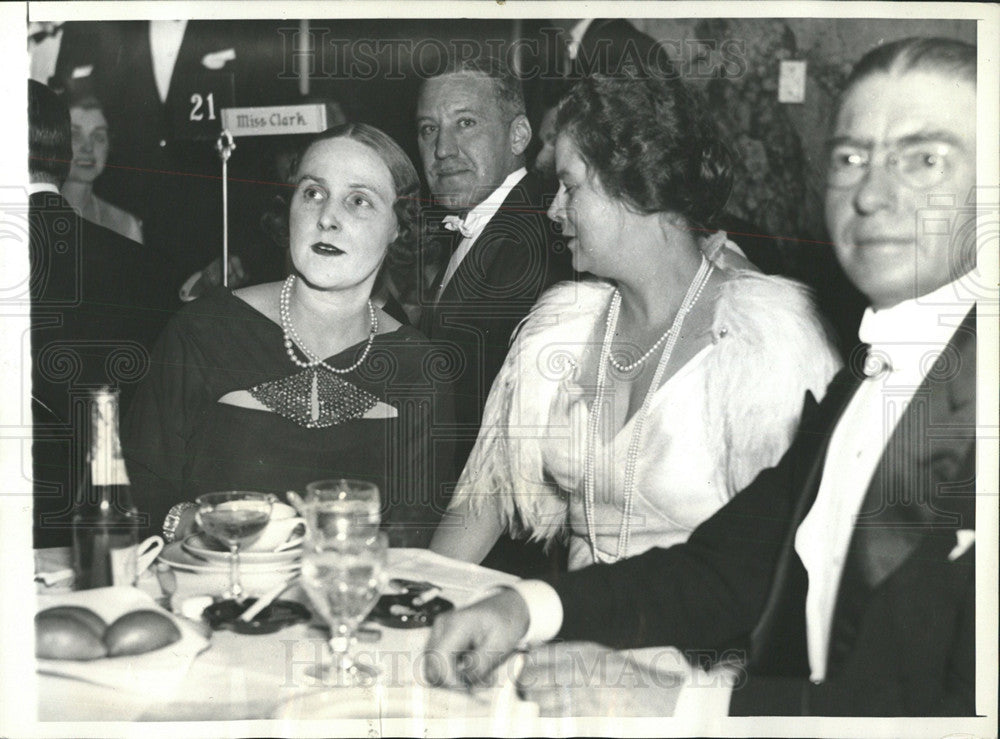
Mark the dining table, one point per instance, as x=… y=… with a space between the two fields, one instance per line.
x=237 y=677
x=222 y=675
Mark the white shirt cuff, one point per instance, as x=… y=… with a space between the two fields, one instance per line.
x=545 y=612
x=705 y=695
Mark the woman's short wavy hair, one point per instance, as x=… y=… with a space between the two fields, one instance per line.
x=402 y=252
x=650 y=144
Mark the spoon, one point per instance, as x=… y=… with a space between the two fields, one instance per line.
x=265 y=600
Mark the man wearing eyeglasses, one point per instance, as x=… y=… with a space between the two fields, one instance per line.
x=843 y=579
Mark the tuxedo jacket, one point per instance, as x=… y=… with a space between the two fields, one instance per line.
x=516 y=257
x=903 y=633
x=172 y=183
x=98 y=303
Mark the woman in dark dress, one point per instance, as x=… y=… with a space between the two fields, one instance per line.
x=272 y=386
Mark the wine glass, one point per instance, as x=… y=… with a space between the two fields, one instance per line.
x=234 y=517
x=342 y=508
x=343 y=577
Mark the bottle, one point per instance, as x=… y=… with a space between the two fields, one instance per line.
x=105 y=522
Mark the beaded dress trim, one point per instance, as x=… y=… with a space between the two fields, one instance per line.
x=314 y=398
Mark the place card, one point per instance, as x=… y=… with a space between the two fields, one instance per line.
x=275 y=120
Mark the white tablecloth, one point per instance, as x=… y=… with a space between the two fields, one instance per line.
x=249 y=677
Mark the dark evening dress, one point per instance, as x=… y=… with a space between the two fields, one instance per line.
x=375 y=423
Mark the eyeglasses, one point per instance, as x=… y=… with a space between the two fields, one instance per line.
x=920 y=166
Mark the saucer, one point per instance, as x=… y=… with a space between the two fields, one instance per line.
x=178 y=556
x=200 y=547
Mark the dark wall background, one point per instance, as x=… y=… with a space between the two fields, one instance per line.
x=372 y=68
x=780 y=184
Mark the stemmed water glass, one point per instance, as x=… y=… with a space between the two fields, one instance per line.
x=234 y=517
x=343 y=576
x=342 y=508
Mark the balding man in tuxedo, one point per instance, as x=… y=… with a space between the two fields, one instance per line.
x=502 y=251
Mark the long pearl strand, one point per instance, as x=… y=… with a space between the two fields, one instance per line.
x=593 y=428
x=292 y=337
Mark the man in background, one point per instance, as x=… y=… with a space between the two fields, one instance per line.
x=499 y=251
x=98 y=303
x=162 y=84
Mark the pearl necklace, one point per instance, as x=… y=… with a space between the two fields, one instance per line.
x=594 y=417
x=292 y=337
x=700 y=280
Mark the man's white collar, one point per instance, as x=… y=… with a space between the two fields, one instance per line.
x=576 y=35
x=908 y=331
x=36 y=187
x=477 y=218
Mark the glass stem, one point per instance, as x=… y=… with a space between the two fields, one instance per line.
x=340 y=645
x=234 y=573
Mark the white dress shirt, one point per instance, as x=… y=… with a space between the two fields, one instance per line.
x=165 y=38
x=910 y=336
x=36 y=187
x=44 y=53
x=475 y=221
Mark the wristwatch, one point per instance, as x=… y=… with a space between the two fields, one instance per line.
x=174 y=518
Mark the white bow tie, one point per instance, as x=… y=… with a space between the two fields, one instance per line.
x=883 y=342
x=466 y=226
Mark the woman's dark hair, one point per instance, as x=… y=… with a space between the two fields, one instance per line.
x=402 y=252
x=87 y=101
x=650 y=145
x=933 y=54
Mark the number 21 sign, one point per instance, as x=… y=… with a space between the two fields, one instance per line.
x=196 y=108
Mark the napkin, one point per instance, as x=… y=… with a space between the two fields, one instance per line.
x=155 y=674
x=463 y=583
x=52 y=568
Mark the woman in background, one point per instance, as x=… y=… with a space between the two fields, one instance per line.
x=631 y=408
x=91 y=139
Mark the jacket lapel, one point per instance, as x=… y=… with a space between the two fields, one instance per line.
x=185 y=65
x=438 y=244
x=815 y=429
x=471 y=280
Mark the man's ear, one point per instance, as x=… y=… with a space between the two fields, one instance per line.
x=520 y=135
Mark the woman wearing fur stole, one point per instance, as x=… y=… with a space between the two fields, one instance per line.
x=631 y=407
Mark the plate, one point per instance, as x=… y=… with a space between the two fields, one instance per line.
x=201 y=548
x=177 y=556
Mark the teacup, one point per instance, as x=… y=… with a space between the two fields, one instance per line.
x=280 y=528
x=129 y=563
